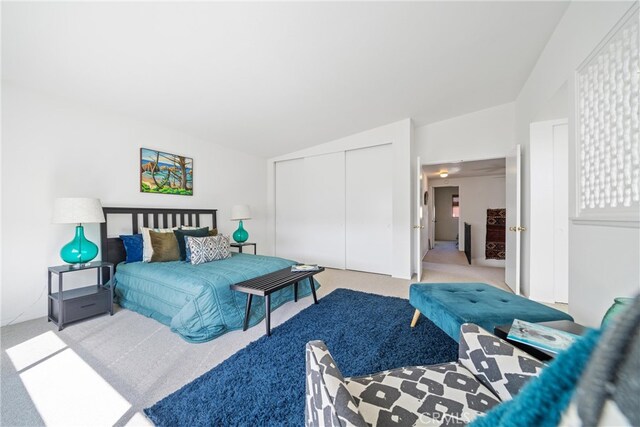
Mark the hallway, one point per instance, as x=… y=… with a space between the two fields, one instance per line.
x=445 y=252
x=445 y=264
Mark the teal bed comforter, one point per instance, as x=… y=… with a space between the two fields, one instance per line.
x=195 y=300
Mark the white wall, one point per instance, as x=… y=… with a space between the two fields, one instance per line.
x=603 y=261
x=484 y=134
x=557 y=107
x=52 y=148
x=477 y=194
x=399 y=135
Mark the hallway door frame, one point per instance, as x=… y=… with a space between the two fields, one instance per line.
x=431 y=205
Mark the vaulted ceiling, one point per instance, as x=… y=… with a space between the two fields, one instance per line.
x=271 y=78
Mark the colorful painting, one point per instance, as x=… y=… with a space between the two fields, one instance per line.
x=165 y=173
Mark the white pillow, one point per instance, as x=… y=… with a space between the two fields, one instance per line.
x=147 y=249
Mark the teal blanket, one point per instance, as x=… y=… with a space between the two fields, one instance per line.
x=542 y=401
x=195 y=300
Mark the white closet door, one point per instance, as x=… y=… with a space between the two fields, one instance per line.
x=324 y=208
x=369 y=202
x=290 y=210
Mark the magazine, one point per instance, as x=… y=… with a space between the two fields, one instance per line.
x=540 y=336
x=305 y=267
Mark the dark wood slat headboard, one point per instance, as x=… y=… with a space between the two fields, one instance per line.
x=112 y=248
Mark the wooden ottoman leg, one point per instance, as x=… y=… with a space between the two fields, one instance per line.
x=416 y=316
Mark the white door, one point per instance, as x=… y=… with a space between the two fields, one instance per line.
x=432 y=216
x=549 y=220
x=290 y=212
x=561 y=212
x=417 y=227
x=324 y=203
x=369 y=203
x=514 y=228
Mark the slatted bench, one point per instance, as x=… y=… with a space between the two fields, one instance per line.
x=265 y=285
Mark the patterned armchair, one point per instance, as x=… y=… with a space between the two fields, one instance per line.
x=488 y=371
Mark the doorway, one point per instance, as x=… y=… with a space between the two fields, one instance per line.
x=447 y=214
x=464 y=192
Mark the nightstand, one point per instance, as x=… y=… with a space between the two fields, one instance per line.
x=241 y=245
x=72 y=305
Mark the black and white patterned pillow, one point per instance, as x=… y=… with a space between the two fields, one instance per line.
x=206 y=249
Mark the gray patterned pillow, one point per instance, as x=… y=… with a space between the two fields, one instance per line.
x=206 y=249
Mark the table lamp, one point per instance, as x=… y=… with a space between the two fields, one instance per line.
x=76 y=210
x=238 y=213
x=619 y=305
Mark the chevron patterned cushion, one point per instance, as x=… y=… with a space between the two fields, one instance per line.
x=206 y=249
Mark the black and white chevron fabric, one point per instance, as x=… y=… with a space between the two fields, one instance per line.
x=436 y=395
x=498 y=365
x=488 y=370
x=328 y=401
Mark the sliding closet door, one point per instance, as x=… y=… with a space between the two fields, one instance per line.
x=369 y=209
x=325 y=193
x=290 y=210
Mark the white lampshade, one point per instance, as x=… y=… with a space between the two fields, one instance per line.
x=239 y=212
x=77 y=210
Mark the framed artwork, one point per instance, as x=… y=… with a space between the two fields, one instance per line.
x=165 y=173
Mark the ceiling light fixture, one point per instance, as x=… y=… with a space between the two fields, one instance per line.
x=444 y=174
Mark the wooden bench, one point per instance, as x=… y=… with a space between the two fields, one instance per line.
x=265 y=285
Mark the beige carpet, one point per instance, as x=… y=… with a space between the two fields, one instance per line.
x=448 y=273
x=140 y=361
x=445 y=253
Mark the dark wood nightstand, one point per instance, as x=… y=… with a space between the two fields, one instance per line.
x=241 y=245
x=72 y=305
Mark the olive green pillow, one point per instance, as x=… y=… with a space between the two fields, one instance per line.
x=213 y=232
x=165 y=247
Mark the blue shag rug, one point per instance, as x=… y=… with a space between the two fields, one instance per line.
x=264 y=383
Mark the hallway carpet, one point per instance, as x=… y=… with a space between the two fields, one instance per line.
x=445 y=253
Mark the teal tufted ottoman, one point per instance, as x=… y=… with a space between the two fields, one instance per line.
x=449 y=305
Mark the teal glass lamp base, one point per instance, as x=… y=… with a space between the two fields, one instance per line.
x=618 y=306
x=240 y=235
x=79 y=250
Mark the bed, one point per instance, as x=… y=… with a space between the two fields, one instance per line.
x=193 y=300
